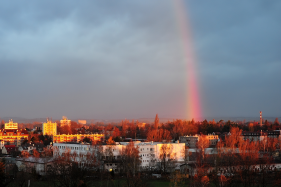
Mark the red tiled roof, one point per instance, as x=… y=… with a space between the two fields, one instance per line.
x=10 y=146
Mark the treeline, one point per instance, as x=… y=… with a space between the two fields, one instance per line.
x=237 y=162
x=174 y=129
x=157 y=131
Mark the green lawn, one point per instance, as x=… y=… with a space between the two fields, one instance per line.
x=159 y=183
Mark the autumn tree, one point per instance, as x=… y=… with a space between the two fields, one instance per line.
x=156 y=122
x=249 y=156
x=234 y=139
x=201 y=164
x=116 y=132
x=47 y=152
x=190 y=127
x=177 y=179
x=25 y=154
x=202 y=144
x=124 y=125
x=110 y=141
x=65 y=169
x=46 y=139
x=130 y=159
x=36 y=154
x=158 y=135
x=4 y=179
x=251 y=127
x=166 y=156
x=177 y=129
x=276 y=121
x=108 y=151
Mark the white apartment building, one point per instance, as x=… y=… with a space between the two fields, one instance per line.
x=149 y=152
x=191 y=141
x=82 y=153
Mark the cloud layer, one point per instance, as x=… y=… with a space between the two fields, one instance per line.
x=123 y=59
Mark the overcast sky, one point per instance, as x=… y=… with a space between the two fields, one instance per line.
x=123 y=59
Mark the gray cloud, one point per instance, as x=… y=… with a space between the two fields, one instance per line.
x=237 y=44
x=123 y=59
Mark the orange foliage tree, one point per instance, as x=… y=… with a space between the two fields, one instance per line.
x=110 y=141
x=36 y=154
x=25 y=154
x=158 y=135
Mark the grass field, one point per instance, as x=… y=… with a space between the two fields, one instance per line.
x=158 y=183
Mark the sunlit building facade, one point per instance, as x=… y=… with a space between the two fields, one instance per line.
x=191 y=141
x=83 y=154
x=12 y=136
x=65 y=122
x=77 y=137
x=11 y=125
x=49 y=128
x=149 y=153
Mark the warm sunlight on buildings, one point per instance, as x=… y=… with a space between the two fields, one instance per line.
x=65 y=122
x=77 y=137
x=11 y=125
x=191 y=141
x=13 y=137
x=82 y=122
x=49 y=128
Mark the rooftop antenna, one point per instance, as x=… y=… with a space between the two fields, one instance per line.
x=260 y=118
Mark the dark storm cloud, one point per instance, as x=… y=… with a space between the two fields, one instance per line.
x=123 y=59
x=238 y=46
x=90 y=59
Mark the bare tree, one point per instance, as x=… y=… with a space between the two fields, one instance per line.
x=166 y=156
x=131 y=166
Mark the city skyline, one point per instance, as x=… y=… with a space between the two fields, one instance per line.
x=117 y=60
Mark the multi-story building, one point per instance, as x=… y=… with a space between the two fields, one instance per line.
x=150 y=153
x=76 y=137
x=273 y=134
x=65 y=122
x=84 y=154
x=111 y=156
x=259 y=136
x=49 y=128
x=11 y=125
x=191 y=141
x=213 y=139
x=13 y=137
x=253 y=136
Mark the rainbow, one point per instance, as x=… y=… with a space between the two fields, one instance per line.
x=193 y=109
